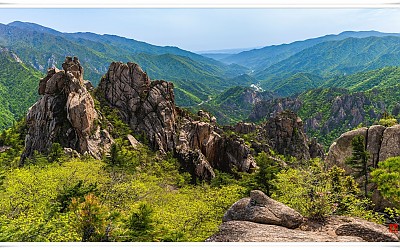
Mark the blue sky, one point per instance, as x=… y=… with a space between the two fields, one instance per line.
x=211 y=29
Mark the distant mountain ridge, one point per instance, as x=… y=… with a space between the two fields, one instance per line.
x=42 y=48
x=260 y=59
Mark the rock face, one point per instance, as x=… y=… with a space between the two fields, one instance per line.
x=286 y=135
x=65 y=114
x=261 y=219
x=149 y=108
x=381 y=143
x=260 y=208
x=326 y=112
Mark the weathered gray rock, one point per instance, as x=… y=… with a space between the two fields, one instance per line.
x=334 y=229
x=245 y=231
x=221 y=152
x=366 y=230
x=285 y=134
x=260 y=208
x=245 y=128
x=341 y=149
x=149 y=109
x=132 y=140
x=374 y=142
x=65 y=114
x=381 y=143
x=390 y=143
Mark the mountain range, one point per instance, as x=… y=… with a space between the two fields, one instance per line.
x=125 y=157
x=230 y=87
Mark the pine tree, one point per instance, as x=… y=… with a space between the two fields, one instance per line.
x=359 y=161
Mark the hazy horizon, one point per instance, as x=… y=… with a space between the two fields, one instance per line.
x=210 y=29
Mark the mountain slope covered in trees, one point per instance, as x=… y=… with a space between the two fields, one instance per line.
x=18 y=88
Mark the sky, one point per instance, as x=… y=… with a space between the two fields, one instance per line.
x=211 y=29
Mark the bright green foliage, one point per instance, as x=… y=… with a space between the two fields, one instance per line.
x=387 y=177
x=359 y=161
x=91 y=218
x=141 y=224
x=14 y=138
x=76 y=192
x=56 y=152
x=75 y=200
x=317 y=193
x=268 y=168
x=387 y=120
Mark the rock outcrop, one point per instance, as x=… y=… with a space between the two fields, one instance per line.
x=260 y=208
x=65 y=114
x=380 y=142
x=286 y=135
x=149 y=109
x=283 y=133
x=261 y=219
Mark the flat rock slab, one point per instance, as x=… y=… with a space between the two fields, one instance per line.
x=245 y=231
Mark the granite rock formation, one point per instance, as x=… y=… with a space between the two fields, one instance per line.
x=65 y=114
x=380 y=142
x=260 y=208
x=283 y=133
x=149 y=109
x=261 y=219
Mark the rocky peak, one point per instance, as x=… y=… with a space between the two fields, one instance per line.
x=149 y=108
x=65 y=114
x=286 y=135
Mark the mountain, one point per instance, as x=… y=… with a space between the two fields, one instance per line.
x=260 y=59
x=383 y=77
x=18 y=84
x=332 y=58
x=42 y=48
x=234 y=104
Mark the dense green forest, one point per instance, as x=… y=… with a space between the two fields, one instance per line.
x=135 y=194
x=18 y=88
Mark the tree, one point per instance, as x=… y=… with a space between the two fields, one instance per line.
x=387 y=120
x=359 y=161
x=91 y=218
x=387 y=177
x=141 y=224
x=268 y=168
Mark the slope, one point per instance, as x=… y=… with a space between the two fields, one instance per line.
x=18 y=84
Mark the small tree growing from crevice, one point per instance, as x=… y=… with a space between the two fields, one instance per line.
x=359 y=161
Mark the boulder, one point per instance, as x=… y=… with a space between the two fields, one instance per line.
x=260 y=208
x=341 y=149
x=262 y=219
